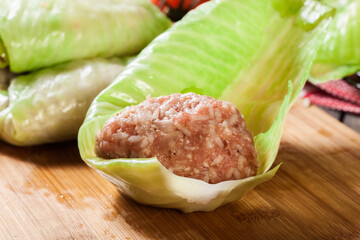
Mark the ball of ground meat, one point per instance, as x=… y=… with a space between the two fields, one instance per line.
x=191 y=135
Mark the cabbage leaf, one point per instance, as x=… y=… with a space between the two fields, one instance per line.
x=36 y=33
x=256 y=54
x=339 y=56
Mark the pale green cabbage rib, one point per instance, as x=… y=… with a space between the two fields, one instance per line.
x=339 y=56
x=50 y=105
x=241 y=51
x=37 y=33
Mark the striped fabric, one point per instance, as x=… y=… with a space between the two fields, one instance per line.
x=336 y=95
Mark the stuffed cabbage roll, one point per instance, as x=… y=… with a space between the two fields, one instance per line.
x=255 y=54
x=37 y=33
x=49 y=105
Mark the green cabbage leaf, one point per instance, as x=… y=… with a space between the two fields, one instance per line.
x=36 y=33
x=256 y=54
x=339 y=56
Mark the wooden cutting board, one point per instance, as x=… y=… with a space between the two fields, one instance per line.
x=47 y=192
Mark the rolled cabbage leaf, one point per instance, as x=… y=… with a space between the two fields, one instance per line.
x=49 y=105
x=36 y=33
x=253 y=53
x=339 y=56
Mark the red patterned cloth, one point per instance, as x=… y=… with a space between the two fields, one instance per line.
x=336 y=95
x=176 y=9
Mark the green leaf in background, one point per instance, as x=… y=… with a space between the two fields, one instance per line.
x=339 y=56
x=49 y=105
x=253 y=53
x=37 y=33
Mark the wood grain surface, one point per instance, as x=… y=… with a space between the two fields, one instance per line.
x=47 y=192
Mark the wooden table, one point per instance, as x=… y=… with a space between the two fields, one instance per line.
x=47 y=192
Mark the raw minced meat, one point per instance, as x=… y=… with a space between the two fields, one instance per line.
x=191 y=135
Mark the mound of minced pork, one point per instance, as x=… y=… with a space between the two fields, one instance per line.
x=191 y=135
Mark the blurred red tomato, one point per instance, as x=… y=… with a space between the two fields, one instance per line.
x=176 y=9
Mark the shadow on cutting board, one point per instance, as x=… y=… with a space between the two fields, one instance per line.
x=307 y=199
x=65 y=153
x=239 y=220
x=249 y=218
